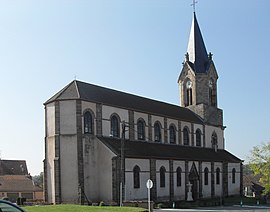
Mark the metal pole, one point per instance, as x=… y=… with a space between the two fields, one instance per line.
x=122 y=163
x=149 y=205
x=121 y=195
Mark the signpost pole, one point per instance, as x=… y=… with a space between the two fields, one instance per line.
x=149 y=205
x=149 y=185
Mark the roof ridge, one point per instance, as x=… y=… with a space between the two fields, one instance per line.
x=78 y=91
x=59 y=93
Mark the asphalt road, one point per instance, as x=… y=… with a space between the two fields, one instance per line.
x=235 y=208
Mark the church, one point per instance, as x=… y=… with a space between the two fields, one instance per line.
x=103 y=145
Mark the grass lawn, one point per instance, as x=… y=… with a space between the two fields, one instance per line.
x=80 y=208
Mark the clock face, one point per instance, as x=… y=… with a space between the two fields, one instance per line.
x=188 y=84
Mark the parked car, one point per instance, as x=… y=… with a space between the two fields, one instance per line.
x=10 y=207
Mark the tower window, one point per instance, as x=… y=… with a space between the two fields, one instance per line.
x=186 y=136
x=114 y=126
x=188 y=93
x=157 y=132
x=141 y=130
x=172 y=134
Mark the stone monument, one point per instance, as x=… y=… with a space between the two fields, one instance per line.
x=189 y=193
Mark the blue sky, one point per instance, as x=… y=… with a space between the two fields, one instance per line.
x=136 y=46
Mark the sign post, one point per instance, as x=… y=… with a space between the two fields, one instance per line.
x=149 y=185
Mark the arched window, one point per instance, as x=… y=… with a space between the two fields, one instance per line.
x=157 y=132
x=162 y=172
x=136 y=177
x=198 y=137
x=189 y=96
x=172 y=134
x=206 y=172
x=186 y=136
x=114 y=126
x=218 y=176
x=88 y=123
x=188 y=93
x=214 y=140
x=233 y=175
x=178 y=176
x=141 y=130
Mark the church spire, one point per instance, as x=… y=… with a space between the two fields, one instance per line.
x=197 y=53
x=198 y=79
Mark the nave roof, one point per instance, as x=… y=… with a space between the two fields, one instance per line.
x=97 y=94
x=146 y=149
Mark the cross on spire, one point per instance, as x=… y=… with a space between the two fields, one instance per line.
x=193 y=4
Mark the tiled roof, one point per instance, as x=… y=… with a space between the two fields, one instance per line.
x=13 y=167
x=143 y=149
x=93 y=93
x=16 y=183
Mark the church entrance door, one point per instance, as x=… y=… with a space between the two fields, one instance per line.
x=194 y=180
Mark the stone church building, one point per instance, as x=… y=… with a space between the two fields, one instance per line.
x=103 y=145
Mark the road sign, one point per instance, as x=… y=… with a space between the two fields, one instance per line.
x=149 y=184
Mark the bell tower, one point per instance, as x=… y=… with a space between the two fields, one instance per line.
x=198 y=79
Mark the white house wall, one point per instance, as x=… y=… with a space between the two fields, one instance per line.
x=233 y=187
x=105 y=172
x=206 y=189
x=97 y=170
x=163 y=193
x=91 y=168
x=50 y=169
x=68 y=151
x=67 y=117
x=50 y=141
x=137 y=193
x=50 y=119
x=218 y=187
x=69 y=168
x=179 y=191
x=98 y=158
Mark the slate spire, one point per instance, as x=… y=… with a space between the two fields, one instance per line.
x=196 y=50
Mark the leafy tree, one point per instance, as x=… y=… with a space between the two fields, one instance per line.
x=38 y=179
x=260 y=164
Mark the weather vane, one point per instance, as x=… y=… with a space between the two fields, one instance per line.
x=193 y=4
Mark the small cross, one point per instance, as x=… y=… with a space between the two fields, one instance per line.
x=193 y=4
